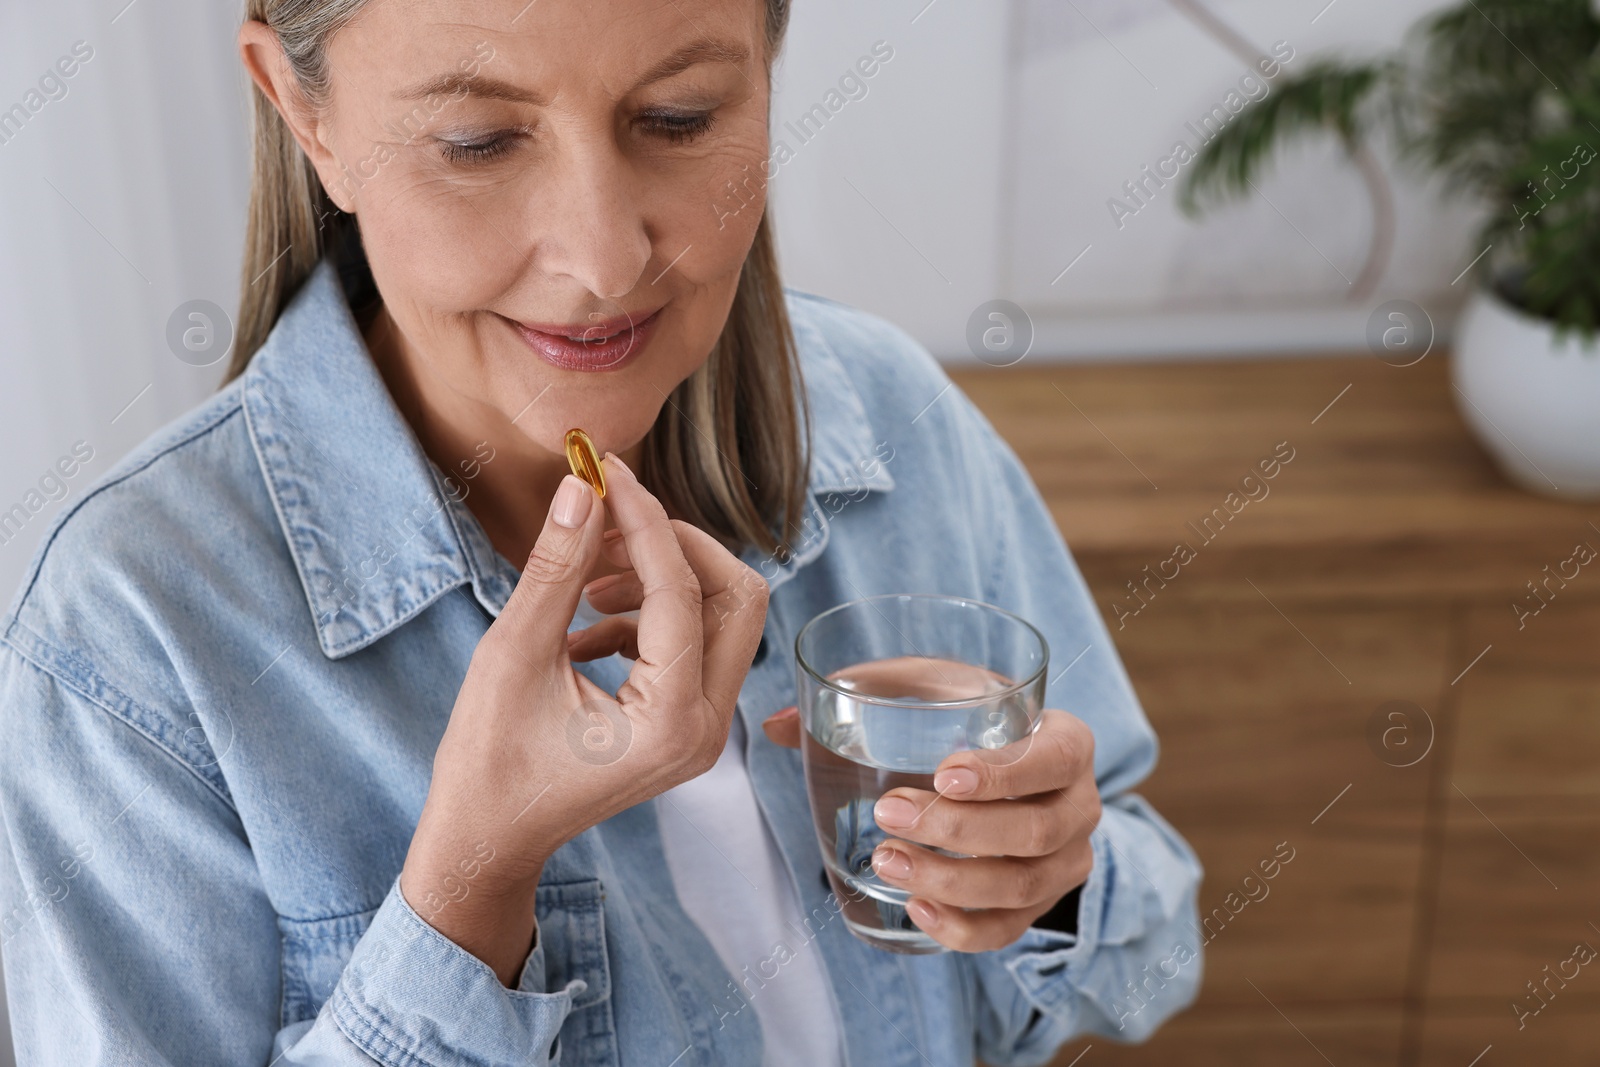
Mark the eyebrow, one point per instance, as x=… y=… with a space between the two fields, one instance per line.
x=703 y=51
x=459 y=84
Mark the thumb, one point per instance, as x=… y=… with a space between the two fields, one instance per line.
x=783 y=728
x=540 y=608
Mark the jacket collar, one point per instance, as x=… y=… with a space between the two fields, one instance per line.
x=375 y=534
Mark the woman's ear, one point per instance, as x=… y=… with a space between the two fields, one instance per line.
x=262 y=54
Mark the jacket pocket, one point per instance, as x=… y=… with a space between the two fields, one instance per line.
x=573 y=937
x=315 y=952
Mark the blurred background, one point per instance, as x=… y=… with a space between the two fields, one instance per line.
x=1341 y=664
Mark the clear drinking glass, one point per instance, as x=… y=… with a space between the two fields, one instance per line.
x=888 y=687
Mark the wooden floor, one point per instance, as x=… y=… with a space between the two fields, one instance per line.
x=1381 y=567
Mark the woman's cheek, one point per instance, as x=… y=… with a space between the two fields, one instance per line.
x=730 y=200
x=436 y=241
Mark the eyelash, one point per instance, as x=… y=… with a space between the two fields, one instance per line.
x=677 y=129
x=477 y=151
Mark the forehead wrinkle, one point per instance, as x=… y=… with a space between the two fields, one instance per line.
x=715 y=33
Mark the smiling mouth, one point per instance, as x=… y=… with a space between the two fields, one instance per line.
x=593 y=346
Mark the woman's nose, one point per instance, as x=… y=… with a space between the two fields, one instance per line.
x=594 y=223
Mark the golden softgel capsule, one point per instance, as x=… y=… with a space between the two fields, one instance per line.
x=585 y=462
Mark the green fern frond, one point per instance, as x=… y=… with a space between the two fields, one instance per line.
x=1328 y=97
x=1531 y=45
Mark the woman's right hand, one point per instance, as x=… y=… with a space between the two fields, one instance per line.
x=535 y=753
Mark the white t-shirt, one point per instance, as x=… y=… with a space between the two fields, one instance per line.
x=732 y=881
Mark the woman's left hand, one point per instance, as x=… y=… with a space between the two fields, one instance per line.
x=1022 y=814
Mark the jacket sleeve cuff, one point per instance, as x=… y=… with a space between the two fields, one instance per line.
x=411 y=997
x=1038 y=959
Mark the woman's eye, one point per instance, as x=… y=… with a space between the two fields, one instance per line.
x=479 y=151
x=678 y=127
x=675 y=127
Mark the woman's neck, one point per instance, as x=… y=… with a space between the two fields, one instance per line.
x=508 y=480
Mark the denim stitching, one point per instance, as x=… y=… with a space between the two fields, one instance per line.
x=143 y=730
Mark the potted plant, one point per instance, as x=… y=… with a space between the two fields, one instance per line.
x=1501 y=98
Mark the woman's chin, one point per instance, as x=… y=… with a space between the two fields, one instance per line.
x=609 y=431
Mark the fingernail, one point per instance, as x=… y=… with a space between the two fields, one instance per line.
x=573 y=636
x=612 y=457
x=955 y=782
x=790 y=712
x=892 y=863
x=571 y=505
x=601 y=584
x=921 y=914
x=894 y=811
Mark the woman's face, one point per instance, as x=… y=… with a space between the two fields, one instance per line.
x=529 y=171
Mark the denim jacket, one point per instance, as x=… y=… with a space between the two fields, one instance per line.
x=224 y=677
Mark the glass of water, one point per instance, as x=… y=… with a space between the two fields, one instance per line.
x=888 y=687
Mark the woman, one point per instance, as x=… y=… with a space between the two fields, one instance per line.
x=302 y=767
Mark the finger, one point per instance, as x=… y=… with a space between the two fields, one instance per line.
x=670 y=628
x=1055 y=754
x=616 y=593
x=1026 y=826
x=614 y=547
x=972 y=931
x=734 y=600
x=613 y=593
x=541 y=606
x=984 y=881
x=783 y=728
x=604 y=638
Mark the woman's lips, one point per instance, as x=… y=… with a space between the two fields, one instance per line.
x=597 y=346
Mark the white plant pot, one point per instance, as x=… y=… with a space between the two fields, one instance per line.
x=1533 y=402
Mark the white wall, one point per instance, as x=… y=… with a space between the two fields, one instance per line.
x=994 y=140
x=123 y=199
x=895 y=205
